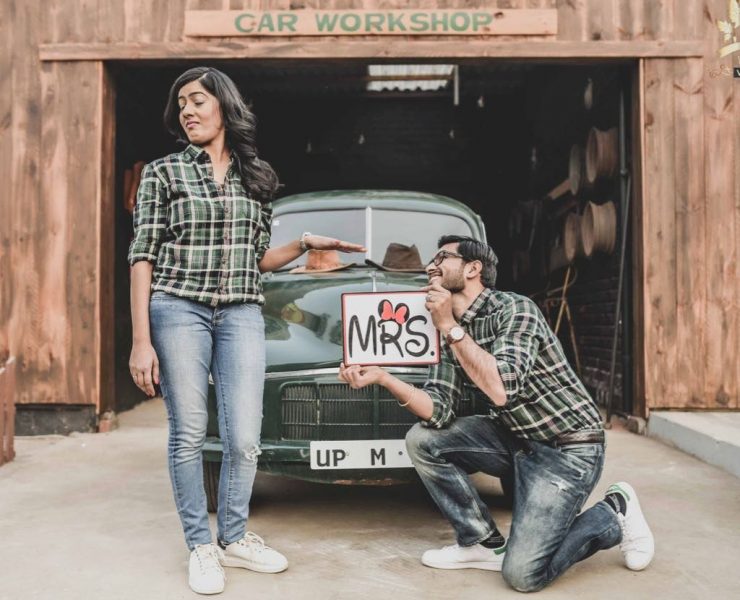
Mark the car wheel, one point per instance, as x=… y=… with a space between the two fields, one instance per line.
x=211 y=473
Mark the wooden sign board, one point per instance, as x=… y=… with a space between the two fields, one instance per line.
x=219 y=23
x=388 y=328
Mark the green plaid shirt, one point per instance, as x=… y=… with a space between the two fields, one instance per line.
x=205 y=240
x=544 y=397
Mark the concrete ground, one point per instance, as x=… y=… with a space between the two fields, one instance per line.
x=92 y=516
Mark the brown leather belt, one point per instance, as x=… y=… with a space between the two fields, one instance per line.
x=588 y=436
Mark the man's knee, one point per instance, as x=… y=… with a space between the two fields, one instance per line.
x=418 y=440
x=520 y=576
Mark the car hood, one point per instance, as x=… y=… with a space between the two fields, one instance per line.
x=303 y=313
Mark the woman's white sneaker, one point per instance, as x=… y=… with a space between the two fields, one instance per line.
x=205 y=574
x=250 y=552
x=465 y=557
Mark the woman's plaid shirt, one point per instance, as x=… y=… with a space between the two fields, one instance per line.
x=544 y=397
x=205 y=240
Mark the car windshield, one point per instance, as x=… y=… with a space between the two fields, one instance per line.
x=374 y=228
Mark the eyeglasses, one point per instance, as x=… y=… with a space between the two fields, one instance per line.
x=442 y=255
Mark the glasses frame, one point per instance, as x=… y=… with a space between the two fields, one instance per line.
x=442 y=255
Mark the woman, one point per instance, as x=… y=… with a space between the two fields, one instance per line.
x=202 y=230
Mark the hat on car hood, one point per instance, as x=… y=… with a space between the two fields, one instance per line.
x=321 y=261
x=399 y=257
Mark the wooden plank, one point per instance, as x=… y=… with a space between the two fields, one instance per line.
x=720 y=384
x=23 y=209
x=736 y=102
x=660 y=234
x=6 y=200
x=658 y=19
x=7 y=410
x=293 y=23
x=107 y=228
x=690 y=233
x=69 y=267
x=631 y=19
x=640 y=359
x=362 y=49
x=572 y=24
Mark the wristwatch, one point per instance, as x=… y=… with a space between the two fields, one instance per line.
x=454 y=335
x=302 y=241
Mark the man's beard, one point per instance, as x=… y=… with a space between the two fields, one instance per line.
x=454 y=282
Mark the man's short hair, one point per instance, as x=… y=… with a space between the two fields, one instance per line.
x=472 y=249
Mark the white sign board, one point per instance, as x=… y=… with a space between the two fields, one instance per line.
x=360 y=454
x=388 y=328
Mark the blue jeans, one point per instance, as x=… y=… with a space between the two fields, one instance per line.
x=192 y=340
x=548 y=534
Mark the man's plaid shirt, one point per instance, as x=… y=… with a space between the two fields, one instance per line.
x=544 y=397
x=205 y=240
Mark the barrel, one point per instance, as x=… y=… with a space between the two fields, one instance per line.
x=602 y=154
x=599 y=228
x=572 y=242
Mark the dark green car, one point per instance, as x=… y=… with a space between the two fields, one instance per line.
x=304 y=401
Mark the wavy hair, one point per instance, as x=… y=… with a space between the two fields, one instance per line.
x=257 y=176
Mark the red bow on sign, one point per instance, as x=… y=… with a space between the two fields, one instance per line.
x=399 y=315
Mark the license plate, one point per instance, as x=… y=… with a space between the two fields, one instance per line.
x=360 y=454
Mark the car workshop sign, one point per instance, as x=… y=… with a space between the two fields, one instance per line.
x=220 y=23
x=388 y=328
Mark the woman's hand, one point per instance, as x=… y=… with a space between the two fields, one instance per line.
x=320 y=242
x=359 y=377
x=144 y=367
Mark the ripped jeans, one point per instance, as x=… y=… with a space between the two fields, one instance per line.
x=192 y=340
x=551 y=485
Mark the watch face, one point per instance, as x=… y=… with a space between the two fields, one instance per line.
x=457 y=333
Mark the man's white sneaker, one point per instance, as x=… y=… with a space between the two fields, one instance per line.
x=205 y=573
x=465 y=557
x=251 y=553
x=638 y=543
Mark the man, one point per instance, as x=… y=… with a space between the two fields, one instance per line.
x=544 y=432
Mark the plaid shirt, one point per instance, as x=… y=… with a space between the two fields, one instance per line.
x=205 y=240
x=544 y=398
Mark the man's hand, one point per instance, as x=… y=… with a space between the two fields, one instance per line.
x=320 y=242
x=439 y=304
x=359 y=377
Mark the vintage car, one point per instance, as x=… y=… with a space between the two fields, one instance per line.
x=304 y=402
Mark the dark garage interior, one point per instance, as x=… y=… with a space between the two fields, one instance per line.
x=497 y=136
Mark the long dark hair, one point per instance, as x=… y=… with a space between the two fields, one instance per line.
x=258 y=177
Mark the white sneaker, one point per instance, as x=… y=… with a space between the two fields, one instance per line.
x=465 y=557
x=638 y=543
x=205 y=573
x=250 y=552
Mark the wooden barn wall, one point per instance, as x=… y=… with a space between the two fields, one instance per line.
x=53 y=205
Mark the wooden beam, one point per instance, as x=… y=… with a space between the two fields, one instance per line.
x=560 y=189
x=321 y=49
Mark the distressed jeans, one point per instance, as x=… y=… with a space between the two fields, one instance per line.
x=548 y=534
x=192 y=340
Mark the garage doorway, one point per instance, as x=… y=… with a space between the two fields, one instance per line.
x=495 y=135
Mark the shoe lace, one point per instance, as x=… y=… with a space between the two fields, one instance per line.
x=629 y=537
x=253 y=541
x=208 y=558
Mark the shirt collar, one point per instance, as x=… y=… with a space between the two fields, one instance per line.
x=195 y=153
x=482 y=299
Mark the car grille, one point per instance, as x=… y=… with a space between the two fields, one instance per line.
x=337 y=412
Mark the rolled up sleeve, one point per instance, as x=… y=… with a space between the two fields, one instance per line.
x=263 y=240
x=150 y=217
x=444 y=386
x=516 y=346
